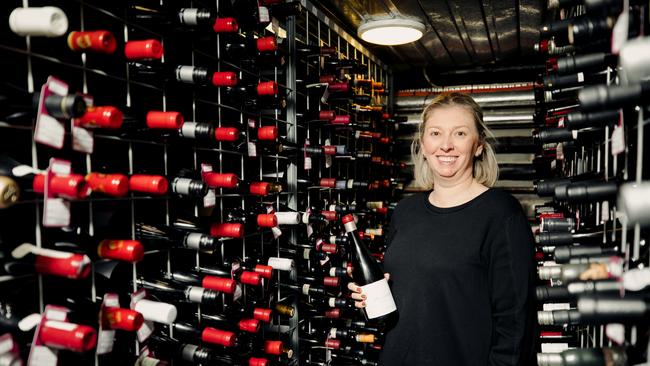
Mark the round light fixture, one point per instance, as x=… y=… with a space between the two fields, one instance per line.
x=390 y=32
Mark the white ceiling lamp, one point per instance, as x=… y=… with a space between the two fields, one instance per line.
x=391 y=31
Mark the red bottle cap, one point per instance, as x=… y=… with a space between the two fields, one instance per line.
x=225 y=25
x=249 y=325
x=273 y=347
x=71 y=186
x=121 y=250
x=256 y=361
x=225 y=285
x=382 y=210
x=116 y=185
x=250 y=278
x=543 y=45
x=385 y=183
x=328 y=182
x=347 y=218
x=264 y=271
x=267 y=44
x=361 y=234
x=227 y=230
x=332 y=343
x=326 y=79
x=329 y=150
x=259 y=188
x=226 y=134
x=217 y=336
x=148 y=49
x=384 y=140
x=331 y=281
x=330 y=215
x=333 y=313
x=220 y=180
x=385 y=115
x=267 y=133
x=339 y=87
x=224 y=78
x=68 y=336
x=124 y=319
x=326 y=115
x=341 y=120
x=164 y=120
x=101 y=41
x=154 y=184
x=539 y=256
x=267 y=88
x=267 y=220
x=101 y=117
x=262 y=314
x=329 y=248
x=74 y=266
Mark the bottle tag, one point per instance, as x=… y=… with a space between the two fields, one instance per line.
x=615 y=332
x=49 y=131
x=326 y=95
x=636 y=279
x=618 y=141
x=581 y=79
x=145 y=331
x=56 y=211
x=620 y=31
x=105 y=339
x=263 y=14
x=7 y=344
x=252 y=123
x=604 y=211
x=252 y=149
x=83 y=140
x=42 y=356
x=275 y=27
x=238 y=293
x=210 y=199
x=379 y=299
x=276 y=232
x=328 y=158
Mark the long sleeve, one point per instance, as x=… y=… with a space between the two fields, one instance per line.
x=511 y=269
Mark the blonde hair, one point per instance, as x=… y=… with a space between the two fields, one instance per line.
x=485 y=168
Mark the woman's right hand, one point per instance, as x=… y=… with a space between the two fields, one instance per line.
x=357 y=295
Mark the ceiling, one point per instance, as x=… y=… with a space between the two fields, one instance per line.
x=474 y=40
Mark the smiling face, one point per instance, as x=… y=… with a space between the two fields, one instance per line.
x=450 y=143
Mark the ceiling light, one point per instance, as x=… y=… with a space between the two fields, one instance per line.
x=390 y=32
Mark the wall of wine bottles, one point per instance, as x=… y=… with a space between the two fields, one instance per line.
x=593 y=233
x=173 y=176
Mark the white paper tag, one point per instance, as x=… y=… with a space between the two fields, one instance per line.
x=619 y=33
x=263 y=14
x=105 y=341
x=326 y=95
x=275 y=26
x=604 y=211
x=6 y=343
x=307 y=163
x=210 y=199
x=379 y=299
x=145 y=331
x=615 y=332
x=328 y=158
x=42 y=356
x=56 y=212
x=238 y=293
x=618 y=141
x=82 y=140
x=276 y=232
x=252 y=149
x=554 y=347
x=49 y=131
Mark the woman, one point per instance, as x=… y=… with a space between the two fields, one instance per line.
x=460 y=256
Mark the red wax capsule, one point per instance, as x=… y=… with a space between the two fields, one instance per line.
x=385 y=115
x=256 y=361
x=333 y=313
x=70 y=265
x=267 y=220
x=259 y=188
x=264 y=271
x=217 y=336
x=164 y=120
x=123 y=319
x=121 y=250
x=148 y=49
x=72 y=186
x=267 y=133
x=333 y=343
x=225 y=285
x=384 y=140
x=226 y=134
x=267 y=44
x=225 y=25
x=100 y=41
x=101 y=117
x=329 y=248
x=331 y=281
x=220 y=180
x=262 y=314
x=347 y=218
x=341 y=120
x=154 y=184
x=326 y=79
x=329 y=150
x=68 y=336
x=326 y=115
x=250 y=278
x=328 y=182
x=382 y=210
x=339 y=87
x=224 y=78
x=111 y=184
x=227 y=230
x=249 y=325
x=267 y=88
x=329 y=215
x=273 y=347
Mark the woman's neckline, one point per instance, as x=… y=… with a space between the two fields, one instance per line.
x=438 y=209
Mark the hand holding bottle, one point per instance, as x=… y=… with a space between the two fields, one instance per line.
x=357 y=295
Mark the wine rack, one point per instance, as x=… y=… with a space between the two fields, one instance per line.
x=135 y=86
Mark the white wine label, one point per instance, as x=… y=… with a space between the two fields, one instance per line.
x=185 y=74
x=195 y=294
x=307 y=163
x=6 y=344
x=181 y=186
x=276 y=232
x=281 y=264
x=144 y=331
x=49 y=131
x=332 y=272
x=618 y=141
x=379 y=299
x=188 y=129
x=252 y=149
x=193 y=240
x=187 y=353
x=305 y=253
x=581 y=77
x=188 y=16
x=332 y=239
x=305 y=289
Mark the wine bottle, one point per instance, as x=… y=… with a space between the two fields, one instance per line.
x=185 y=74
x=174 y=236
x=206 y=335
x=580 y=192
x=183 y=19
x=591 y=357
x=608 y=97
x=572 y=272
x=20 y=107
x=79 y=241
x=97 y=41
x=85 y=311
x=169 y=291
x=212 y=283
x=575 y=289
x=243 y=277
x=576 y=121
x=171 y=349
x=30 y=259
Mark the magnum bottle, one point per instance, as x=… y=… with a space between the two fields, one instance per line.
x=368 y=274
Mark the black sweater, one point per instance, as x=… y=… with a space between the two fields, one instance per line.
x=462 y=278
